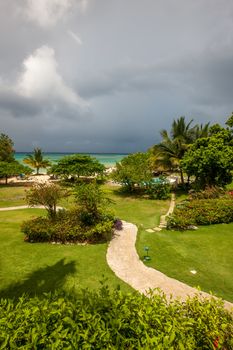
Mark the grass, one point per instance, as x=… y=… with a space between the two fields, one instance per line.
x=208 y=250
x=38 y=268
x=12 y=196
x=43 y=267
x=140 y=211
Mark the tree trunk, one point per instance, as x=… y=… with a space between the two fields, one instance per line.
x=182 y=176
x=37 y=171
x=6 y=178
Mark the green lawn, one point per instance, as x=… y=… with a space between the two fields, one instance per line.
x=38 y=268
x=11 y=196
x=43 y=267
x=209 y=251
x=140 y=211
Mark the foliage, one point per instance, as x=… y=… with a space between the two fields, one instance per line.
x=210 y=160
x=118 y=224
x=36 y=160
x=169 y=152
x=37 y=230
x=113 y=320
x=201 y=212
x=46 y=194
x=229 y=121
x=14 y=168
x=160 y=189
x=68 y=227
x=77 y=165
x=6 y=149
x=88 y=222
x=91 y=201
x=210 y=192
x=133 y=170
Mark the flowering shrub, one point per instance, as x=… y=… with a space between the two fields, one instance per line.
x=201 y=212
x=68 y=227
x=209 y=192
x=118 y=224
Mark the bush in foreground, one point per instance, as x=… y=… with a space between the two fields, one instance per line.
x=112 y=320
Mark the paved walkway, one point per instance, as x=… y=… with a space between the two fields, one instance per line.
x=26 y=207
x=123 y=259
x=163 y=218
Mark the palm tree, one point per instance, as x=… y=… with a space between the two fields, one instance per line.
x=170 y=151
x=202 y=131
x=36 y=160
x=182 y=131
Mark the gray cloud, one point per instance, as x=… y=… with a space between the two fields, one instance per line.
x=140 y=65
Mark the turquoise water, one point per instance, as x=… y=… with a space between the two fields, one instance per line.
x=108 y=159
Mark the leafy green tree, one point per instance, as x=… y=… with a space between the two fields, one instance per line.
x=210 y=160
x=14 y=168
x=77 y=165
x=36 y=160
x=133 y=170
x=91 y=200
x=6 y=149
x=46 y=194
x=229 y=121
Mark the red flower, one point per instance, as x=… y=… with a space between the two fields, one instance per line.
x=216 y=343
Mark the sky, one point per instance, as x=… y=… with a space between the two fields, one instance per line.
x=107 y=75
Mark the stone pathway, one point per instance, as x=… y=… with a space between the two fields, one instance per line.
x=163 y=221
x=123 y=259
x=25 y=207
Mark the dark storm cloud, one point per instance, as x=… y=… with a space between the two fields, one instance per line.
x=107 y=76
x=18 y=106
x=199 y=76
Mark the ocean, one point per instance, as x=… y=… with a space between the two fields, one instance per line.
x=108 y=159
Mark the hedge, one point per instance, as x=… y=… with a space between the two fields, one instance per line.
x=112 y=320
x=201 y=212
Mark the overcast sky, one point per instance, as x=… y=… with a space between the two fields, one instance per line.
x=108 y=75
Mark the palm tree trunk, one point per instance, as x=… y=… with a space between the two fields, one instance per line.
x=37 y=171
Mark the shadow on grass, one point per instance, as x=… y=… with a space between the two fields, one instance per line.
x=41 y=281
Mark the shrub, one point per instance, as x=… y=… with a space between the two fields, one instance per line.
x=159 y=190
x=101 y=232
x=68 y=227
x=208 y=193
x=201 y=212
x=37 y=230
x=118 y=225
x=113 y=320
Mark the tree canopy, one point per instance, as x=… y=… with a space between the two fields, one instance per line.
x=77 y=165
x=133 y=170
x=46 y=194
x=14 y=168
x=91 y=200
x=6 y=148
x=210 y=159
